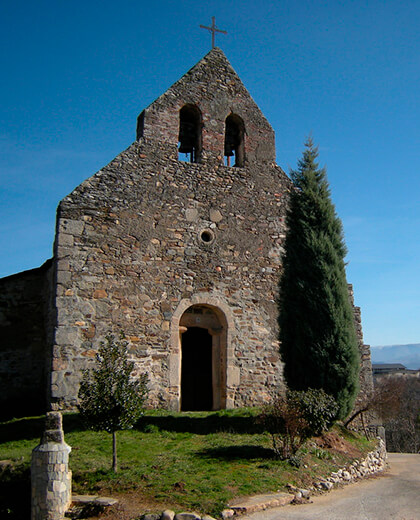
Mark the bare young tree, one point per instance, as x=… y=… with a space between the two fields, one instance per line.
x=385 y=402
x=403 y=429
x=396 y=402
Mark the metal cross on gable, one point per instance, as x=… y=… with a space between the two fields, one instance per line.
x=213 y=29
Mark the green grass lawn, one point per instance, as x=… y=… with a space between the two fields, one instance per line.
x=189 y=461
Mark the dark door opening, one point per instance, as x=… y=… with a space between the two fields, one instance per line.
x=196 y=370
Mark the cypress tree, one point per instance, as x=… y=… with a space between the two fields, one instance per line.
x=317 y=330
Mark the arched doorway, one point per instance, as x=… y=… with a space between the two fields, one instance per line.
x=196 y=370
x=203 y=358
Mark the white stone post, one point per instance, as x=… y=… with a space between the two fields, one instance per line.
x=50 y=475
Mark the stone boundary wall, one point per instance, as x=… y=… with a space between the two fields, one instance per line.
x=373 y=463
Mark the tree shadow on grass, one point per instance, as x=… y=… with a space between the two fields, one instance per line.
x=244 y=452
x=211 y=423
x=25 y=428
x=15 y=492
x=33 y=427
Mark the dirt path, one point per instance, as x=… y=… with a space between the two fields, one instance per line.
x=393 y=496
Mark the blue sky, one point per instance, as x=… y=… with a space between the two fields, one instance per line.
x=75 y=75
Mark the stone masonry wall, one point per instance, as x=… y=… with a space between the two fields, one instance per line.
x=23 y=347
x=128 y=252
x=150 y=235
x=365 y=376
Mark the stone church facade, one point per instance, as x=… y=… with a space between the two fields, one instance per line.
x=177 y=243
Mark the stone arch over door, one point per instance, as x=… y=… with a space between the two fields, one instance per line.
x=206 y=323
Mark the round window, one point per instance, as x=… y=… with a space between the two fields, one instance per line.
x=207 y=236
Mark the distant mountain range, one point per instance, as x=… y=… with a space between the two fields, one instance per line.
x=408 y=355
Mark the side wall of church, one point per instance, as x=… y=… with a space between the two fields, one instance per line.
x=129 y=250
x=24 y=345
x=365 y=375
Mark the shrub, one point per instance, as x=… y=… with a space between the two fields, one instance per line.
x=292 y=418
x=295 y=461
x=317 y=407
x=284 y=421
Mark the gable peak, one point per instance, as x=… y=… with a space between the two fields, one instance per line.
x=214 y=101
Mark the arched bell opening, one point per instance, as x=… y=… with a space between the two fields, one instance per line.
x=203 y=341
x=234 y=141
x=189 y=138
